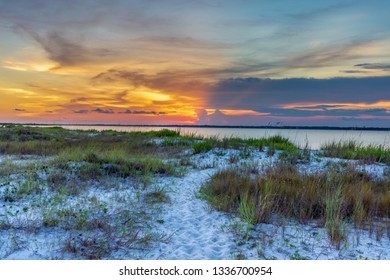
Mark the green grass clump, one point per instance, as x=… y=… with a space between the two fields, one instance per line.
x=273 y=143
x=204 y=146
x=157 y=195
x=353 y=150
x=164 y=133
x=297 y=256
x=277 y=142
x=21 y=133
x=332 y=198
x=33 y=147
x=295 y=155
x=117 y=162
x=25 y=140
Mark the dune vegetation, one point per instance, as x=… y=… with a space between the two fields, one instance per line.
x=96 y=189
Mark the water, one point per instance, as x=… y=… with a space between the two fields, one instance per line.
x=315 y=138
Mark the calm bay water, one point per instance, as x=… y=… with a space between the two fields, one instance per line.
x=314 y=138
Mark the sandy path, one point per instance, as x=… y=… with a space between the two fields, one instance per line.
x=196 y=229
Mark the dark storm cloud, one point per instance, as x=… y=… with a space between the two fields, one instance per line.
x=257 y=94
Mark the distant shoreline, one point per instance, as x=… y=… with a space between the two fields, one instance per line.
x=215 y=126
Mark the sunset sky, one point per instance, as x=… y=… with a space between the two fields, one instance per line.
x=215 y=62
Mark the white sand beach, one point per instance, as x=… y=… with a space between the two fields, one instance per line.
x=188 y=228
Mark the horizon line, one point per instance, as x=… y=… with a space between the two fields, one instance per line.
x=322 y=127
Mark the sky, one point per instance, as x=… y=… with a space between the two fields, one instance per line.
x=214 y=62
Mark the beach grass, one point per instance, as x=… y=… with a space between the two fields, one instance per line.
x=273 y=143
x=353 y=150
x=47 y=141
x=330 y=197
